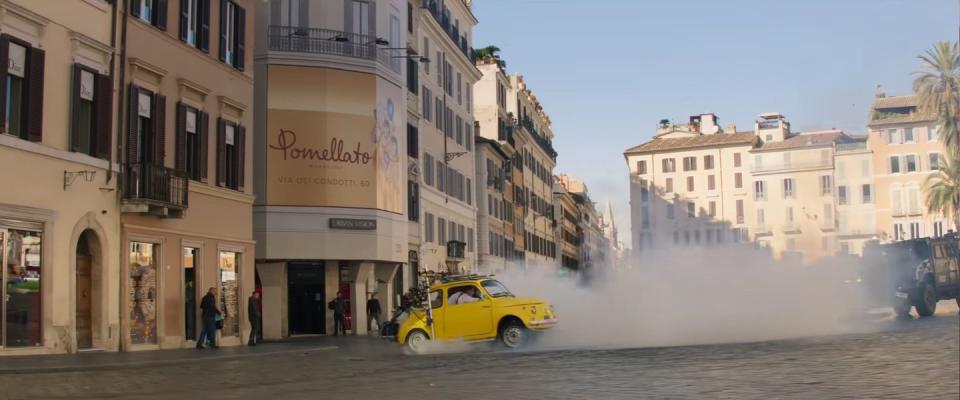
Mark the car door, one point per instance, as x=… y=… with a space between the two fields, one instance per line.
x=471 y=320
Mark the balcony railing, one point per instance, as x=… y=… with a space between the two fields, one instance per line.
x=455 y=250
x=791 y=165
x=155 y=185
x=443 y=19
x=791 y=227
x=762 y=229
x=541 y=141
x=332 y=42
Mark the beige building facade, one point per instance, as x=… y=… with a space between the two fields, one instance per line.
x=331 y=149
x=186 y=193
x=495 y=229
x=60 y=222
x=855 y=195
x=906 y=150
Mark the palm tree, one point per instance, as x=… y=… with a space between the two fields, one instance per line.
x=490 y=51
x=943 y=191
x=938 y=87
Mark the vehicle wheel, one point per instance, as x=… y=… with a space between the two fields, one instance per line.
x=927 y=303
x=902 y=309
x=417 y=341
x=514 y=335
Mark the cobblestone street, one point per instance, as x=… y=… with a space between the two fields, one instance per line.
x=917 y=359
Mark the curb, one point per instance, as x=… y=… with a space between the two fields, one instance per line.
x=122 y=365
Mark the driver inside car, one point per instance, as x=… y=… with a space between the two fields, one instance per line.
x=468 y=295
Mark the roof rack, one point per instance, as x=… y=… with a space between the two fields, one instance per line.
x=457 y=278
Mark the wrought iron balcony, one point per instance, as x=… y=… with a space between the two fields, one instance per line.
x=154 y=189
x=332 y=42
x=456 y=250
x=442 y=17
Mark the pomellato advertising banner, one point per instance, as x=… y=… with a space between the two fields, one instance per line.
x=333 y=139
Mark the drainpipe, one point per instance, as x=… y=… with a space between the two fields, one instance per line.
x=121 y=101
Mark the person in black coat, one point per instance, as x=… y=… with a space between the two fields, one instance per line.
x=253 y=314
x=208 y=312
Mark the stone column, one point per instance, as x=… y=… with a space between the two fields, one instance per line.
x=360 y=274
x=331 y=285
x=385 y=274
x=273 y=280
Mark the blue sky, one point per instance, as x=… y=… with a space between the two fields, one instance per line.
x=608 y=70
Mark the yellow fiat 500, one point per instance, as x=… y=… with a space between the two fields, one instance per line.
x=475 y=309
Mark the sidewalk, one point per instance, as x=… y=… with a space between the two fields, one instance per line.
x=121 y=360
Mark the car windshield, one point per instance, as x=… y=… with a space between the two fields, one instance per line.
x=496 y=289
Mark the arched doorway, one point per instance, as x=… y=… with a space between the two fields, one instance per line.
x=87 y=258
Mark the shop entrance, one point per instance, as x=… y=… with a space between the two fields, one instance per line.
x=305 y=294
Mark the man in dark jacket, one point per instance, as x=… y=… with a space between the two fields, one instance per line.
x=373 y=312
x=253 y=313
x=208 y=312
x=339 y=307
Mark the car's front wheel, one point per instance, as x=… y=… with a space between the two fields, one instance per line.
x=417 y=341
x=927 y=303
x=902 y=308
x=513 y=334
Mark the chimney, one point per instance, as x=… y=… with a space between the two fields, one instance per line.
x=709 y=124
x=730 y=128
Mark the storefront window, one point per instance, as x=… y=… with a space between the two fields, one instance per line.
x=230 y=292
x=21 y=323
x=190 y=292
x=142 y=296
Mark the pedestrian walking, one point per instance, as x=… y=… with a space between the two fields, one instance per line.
x=253 y=313
x=339 y=307
x=373 y=313
x=208 y=313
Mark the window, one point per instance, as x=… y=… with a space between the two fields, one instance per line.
x=908 y=136
x=915 y=232
x=894 y=164
x=459 y=130
x=788 y=188
x=231 y=141
x=428 y=233
x=828 y=215
x=669 y=165
x=413 y=75
x=708 y=162
x=142 y=321
x=826 y=184
x=713 y=209
x=644 y=191
x=759 y=190
x=689 y=163
x=413 y=141
x=789 y=215
x=668 y=185
x=866 y=193
x=441 y=231
x=191 y=142
x=691 y=209
x=739 y=211
x=670 y=211
x=233 y=22
x=427 y=169
x=469 y=192
x=911 y=162
x=933 y=133
x=898 y=232
x=896 y=199
x=865 y=168
x=641 y=167
x=841 y=170
x=145 y=139
x=913 y=199
x=459 y=88
x=413 y=201
x=426 y=53
x=842 y=194
x=153 y=12
x=425 y=100
x=711 y=183
x=690 y=185
x=938 y=229
x=441 y=176
x=738 y=180
x=21 y=84
x=468 y=135
x=935 y=159
x=229 y=297
x=195 y=23
x=761 y=217
x=736 y=159
x=470 y=239
x=893 y=136
x=410 y=18
x=92 y=113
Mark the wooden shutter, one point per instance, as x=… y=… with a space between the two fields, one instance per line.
x=241 y=145
x=4 y=60
x=180 y=157
x=135 y=7
x=77 y=74
x=161 y=14
x=223 y=33
x=184 y=18
x=133 y=121
x=159 y=117
x=204 y=38
x=221 y=152
x=204 y=145
x=241 y=37
x=34 y=88
x=103 y=109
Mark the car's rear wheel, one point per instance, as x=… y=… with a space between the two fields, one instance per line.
x=417 y=341
x=514 y=335
x=927 y=302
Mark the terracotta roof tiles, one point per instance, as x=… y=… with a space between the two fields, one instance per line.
x=720 y=139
